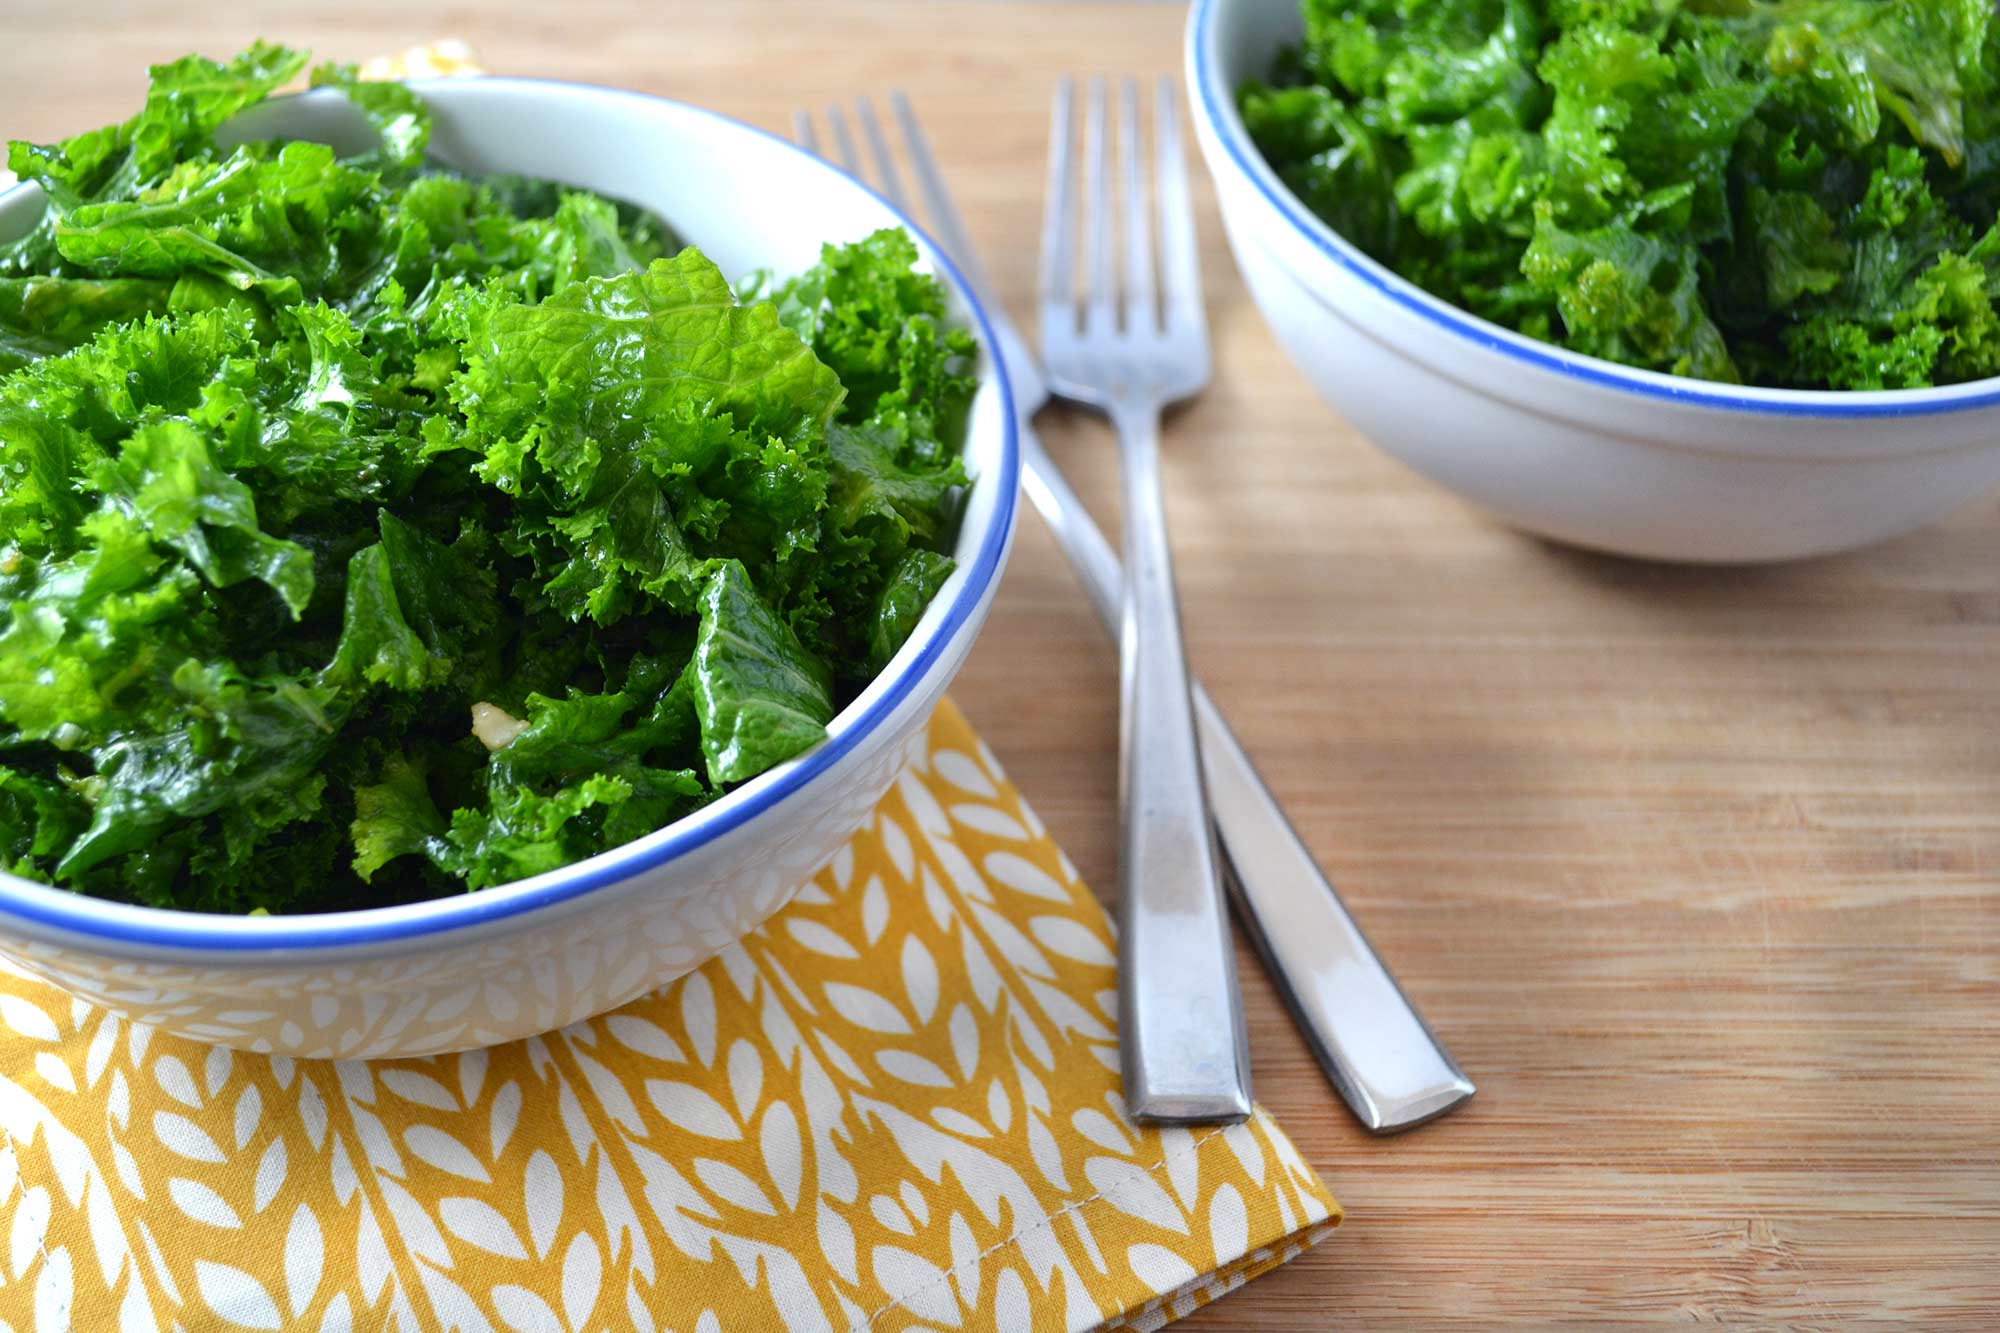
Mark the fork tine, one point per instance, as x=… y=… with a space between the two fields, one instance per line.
x=945 y=221
x=1139 y=304
x=885 y=165
x=843 y=142
x=1058 y=262
x=1180 y=257
x=803 y=131
x=1100 y=276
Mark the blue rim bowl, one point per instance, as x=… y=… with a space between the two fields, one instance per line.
x=1216 y=104
x=43 y=908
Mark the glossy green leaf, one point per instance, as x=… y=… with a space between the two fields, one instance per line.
x=760 y=696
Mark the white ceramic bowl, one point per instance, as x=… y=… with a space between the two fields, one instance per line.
x=488 y=967
x=1569 y=446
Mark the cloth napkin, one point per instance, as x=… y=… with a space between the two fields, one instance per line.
x=895 y=1106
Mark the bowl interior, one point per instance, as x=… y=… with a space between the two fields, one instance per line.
x=750 y=201
x=747 y=200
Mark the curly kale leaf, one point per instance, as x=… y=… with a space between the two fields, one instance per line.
x=647 y=422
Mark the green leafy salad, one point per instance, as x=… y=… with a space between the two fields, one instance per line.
x=371 y=532
x=1794 y=193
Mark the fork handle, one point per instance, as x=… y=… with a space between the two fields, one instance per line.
x=1186 y=1057
x=1374 y=1046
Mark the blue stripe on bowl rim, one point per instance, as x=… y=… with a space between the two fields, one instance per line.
x=1219 y=107
x=86 y=918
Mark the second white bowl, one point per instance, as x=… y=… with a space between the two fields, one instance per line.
x=1569 y=446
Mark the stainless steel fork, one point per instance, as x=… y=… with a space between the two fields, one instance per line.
x=1374 y=1046
x=1130 y=345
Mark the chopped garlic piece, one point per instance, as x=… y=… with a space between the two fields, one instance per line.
x=495 y=727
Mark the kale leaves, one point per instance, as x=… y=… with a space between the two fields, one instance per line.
x=370 y=532
x=1798 y=193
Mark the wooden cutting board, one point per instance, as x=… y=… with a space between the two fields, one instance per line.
x=1697 y=871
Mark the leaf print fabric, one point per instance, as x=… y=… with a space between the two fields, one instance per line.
x=894 y=1107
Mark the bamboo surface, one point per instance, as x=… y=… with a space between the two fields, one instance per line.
x=1694 y=870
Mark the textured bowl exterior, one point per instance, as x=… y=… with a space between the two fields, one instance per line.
x=525 y=958
x=1559 y=444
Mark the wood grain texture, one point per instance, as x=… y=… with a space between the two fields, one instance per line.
x=1695 y=870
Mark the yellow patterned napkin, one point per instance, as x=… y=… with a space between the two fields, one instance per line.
x=894 y=1107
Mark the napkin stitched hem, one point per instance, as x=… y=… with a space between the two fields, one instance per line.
x=13 y=1151
x=1206 y=1289
x=1048 y=1223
